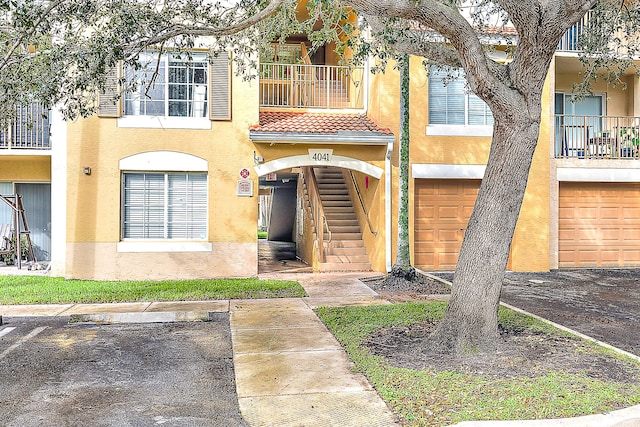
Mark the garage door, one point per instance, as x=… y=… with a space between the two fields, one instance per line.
x=599 y=225
x=441 y=213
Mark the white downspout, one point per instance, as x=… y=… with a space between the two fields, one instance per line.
x=387 y=207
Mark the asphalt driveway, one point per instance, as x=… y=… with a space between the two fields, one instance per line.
x=603 y=304
x=171 y=374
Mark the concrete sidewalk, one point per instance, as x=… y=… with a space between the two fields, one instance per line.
x=290 y=370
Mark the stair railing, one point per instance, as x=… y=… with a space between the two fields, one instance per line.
x=362 y=204
x=317 y=212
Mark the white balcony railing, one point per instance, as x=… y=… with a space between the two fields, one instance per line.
x=588 y=137
x=571 y=40
x=311 y=86
x=29 y=130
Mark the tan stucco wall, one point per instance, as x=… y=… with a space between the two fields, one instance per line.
x=530 y=248
x=94 y=201
x=25 y=168
x=373 y=229
x=531 y=241
x=101 y=261
x=618 y=102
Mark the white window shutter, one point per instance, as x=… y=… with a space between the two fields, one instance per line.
x=220 y=87
x=109 y=104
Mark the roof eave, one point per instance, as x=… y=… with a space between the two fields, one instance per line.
x=351 y=138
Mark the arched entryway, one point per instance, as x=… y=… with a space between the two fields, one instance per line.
x=314 y=215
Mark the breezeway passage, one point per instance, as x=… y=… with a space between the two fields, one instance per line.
x=54 y=373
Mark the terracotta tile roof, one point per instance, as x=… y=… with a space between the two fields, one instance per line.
x=316 y=123
x=505 y=30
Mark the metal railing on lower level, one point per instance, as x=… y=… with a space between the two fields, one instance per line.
x=588 y=137
x=29 y=130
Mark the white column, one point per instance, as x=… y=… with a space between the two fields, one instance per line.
x=58 y=141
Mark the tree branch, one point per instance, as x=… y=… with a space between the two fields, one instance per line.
x=202 y=30
x=448 y=21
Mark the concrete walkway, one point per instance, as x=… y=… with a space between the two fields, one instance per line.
x=290 y=370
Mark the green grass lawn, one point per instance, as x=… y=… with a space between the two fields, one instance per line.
x=431 y=398
x=56 y=290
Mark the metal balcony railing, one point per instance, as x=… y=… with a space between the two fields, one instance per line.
x=311 y=86
x=589 y=137
x=570 y=42
x=573 y=38
x=29 y=130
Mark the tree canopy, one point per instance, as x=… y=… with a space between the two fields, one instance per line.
x=58 y=51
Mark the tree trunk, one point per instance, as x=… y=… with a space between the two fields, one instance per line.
x=470 y=323
x=402 y=266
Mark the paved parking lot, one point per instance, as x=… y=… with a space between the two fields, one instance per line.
x=604 y=304
x=173 y=374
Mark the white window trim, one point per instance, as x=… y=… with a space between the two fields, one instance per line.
x=162 y=122
x=163 y=161
x=166 y=121
x=459 y=130
x=159 y=246
x=444 y=171
x=578 y=174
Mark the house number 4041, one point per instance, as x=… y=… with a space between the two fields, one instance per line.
x=323 y=155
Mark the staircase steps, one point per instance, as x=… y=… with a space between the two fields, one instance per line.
x=345 y=251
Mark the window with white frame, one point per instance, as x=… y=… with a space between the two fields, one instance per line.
x=173 y=85
x=167 y=205
x=451 y=103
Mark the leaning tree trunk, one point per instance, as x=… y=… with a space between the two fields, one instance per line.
x=470 y=322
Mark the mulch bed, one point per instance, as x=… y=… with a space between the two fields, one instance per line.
x=520 y=353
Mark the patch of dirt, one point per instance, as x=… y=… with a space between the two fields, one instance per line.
x=520 y=353
x=396 y=289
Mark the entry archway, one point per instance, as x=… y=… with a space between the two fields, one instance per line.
x=286 y=221
x=304 y=160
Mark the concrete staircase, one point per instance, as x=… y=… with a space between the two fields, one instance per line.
x=344 y=248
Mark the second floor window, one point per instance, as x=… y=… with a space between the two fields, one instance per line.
x=174 y=85
x=451 y=103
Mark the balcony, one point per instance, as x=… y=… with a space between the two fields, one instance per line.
x=311 y=86
x=288 y=79
x=570 y=42
x=572 y=39
x=29 y=130
x=597 y=137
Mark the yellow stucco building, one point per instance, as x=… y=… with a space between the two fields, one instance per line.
x=175 y=180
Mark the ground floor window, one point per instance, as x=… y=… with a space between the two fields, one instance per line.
x=159 y=205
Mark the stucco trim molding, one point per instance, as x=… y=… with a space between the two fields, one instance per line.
x=304 y=160
x=164 y=161
x=163 y=246
x=441 y=171
x=459 y=130
x=598 y=175
x=161 y=122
